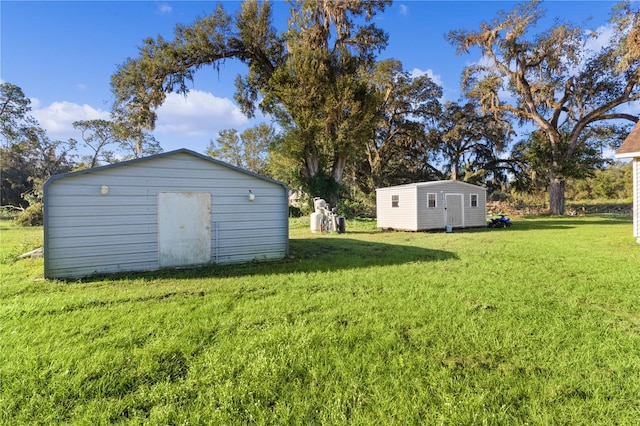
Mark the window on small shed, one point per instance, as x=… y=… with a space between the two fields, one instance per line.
x=431 y=200
x=474 y=200
x=395 y=201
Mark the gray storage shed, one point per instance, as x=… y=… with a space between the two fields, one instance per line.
x=174 y=209
x=431 y=205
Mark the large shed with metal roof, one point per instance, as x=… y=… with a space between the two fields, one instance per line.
x=630 y=148
x=171 y=210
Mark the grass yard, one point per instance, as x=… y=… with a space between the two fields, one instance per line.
x=538 y=324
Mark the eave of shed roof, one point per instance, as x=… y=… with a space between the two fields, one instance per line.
x=630 y=148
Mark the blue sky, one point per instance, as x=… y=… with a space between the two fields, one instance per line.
x=62 y=55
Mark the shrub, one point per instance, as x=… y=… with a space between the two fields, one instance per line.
x=32 y=215
x=355 y=208
x=498 y=196
x=295 y=211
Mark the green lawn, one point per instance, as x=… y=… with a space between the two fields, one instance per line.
x=538 y=324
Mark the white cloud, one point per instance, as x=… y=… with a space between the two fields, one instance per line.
x=199 y=114
x=632 y=108
x=602 y=38
x=416 y=72
x=182 y=121
x=404 y=10
x=57 y=119
x=164 y=8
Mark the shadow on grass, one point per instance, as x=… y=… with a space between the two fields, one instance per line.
x=343 y=253
x=349 y=253
x=554 y=223
x=517 y=226
x=305 y=255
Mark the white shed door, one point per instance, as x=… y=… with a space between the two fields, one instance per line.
x=454 y=209
x=184 y=228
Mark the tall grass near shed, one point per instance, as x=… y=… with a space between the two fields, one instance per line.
x=537 y=324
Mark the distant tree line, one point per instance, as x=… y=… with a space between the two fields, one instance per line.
x=28 y=157
x=346 y=122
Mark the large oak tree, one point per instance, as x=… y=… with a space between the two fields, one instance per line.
x=407 y=105
x=311 y=77
x=553 y=79
x=470 y=143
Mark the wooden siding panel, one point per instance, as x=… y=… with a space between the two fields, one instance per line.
x=474 y=216
x=430 y=218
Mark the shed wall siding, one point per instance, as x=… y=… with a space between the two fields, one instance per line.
x=90 y=233
x=402 y=217
x=428 y=217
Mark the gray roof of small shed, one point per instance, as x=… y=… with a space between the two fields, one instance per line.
x=630 y=148
x=164 y=154
x=434 y=183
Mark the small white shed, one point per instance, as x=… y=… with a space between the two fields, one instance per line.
x=431 y=205
x=630 y=148
x=174 y=209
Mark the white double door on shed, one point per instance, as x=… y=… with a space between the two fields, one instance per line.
x=454 y=210
x=184 y=228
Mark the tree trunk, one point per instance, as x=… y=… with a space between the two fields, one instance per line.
x=337 y=170
x=339 y=164
x=94 y=160
x=556 y=195
x=454 y=167
x=311 y=162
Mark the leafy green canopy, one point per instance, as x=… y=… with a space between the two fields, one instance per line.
x=554 y=80
x=28 y=157
x=14 y=109
x=311 y=78
x=249 y=150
